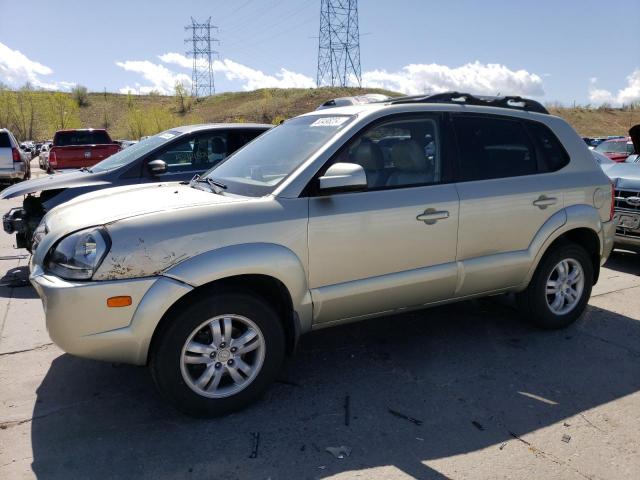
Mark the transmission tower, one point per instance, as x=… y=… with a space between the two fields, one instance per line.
x=339 y=47
x=202 y=83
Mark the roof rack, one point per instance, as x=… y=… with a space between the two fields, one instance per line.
x=512 y=102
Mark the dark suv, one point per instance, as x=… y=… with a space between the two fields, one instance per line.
x=175 y=155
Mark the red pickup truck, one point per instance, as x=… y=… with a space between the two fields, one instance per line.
x=80 y=148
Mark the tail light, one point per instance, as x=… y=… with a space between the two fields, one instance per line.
x=52 y=158
x=613 y=201
x=16 y=155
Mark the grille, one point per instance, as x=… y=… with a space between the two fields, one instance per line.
x=621 y=202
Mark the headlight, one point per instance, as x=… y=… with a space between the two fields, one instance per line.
x=77 y=256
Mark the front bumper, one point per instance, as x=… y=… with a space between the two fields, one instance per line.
x=627 y=229
x=628 y=241
x=80 y=323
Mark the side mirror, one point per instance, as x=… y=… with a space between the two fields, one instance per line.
x=343 y=176
x=157 y=167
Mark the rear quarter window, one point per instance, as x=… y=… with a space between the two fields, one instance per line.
x=552 y=154
x=5 y=141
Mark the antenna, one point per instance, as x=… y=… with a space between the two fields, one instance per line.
x=339 y=46
x=202 y=82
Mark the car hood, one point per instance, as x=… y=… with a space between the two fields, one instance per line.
x=107 y=206
x=624 y=175
x=634 y=133
x=53 y=182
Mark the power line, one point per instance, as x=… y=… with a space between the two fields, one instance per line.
x=202 y=81
x=339 y=45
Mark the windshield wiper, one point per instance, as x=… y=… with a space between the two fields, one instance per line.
x=86 y=169
x=215 y=185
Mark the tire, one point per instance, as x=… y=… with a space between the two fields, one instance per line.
x=176 y=371
x=544 y=309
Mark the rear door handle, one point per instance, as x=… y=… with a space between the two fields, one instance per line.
x=543 y=201
x=431 y=216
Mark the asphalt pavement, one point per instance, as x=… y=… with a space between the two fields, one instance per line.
x=466 y=391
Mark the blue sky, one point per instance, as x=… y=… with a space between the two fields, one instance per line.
x=562 y=50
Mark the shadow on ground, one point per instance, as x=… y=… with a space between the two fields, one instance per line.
x=465 y=371
x=624 y=261
x=15 y=282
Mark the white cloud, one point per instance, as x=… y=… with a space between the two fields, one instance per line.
x=159 y=77
x=17 y=69
x=252 y=79
x=412 y=79
x=177 y=59
x=248 y=78
x=479 y=78
x=629 y=94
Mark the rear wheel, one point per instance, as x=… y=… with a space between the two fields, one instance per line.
x=218 y=355
x=560 y=288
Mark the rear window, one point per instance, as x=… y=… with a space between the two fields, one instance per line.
x=63 y=139
x=5 y=142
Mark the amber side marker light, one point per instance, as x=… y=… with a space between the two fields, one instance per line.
x=115 y=302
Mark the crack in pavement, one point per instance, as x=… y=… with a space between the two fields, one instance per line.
x=44 y=346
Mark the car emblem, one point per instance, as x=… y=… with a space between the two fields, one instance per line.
x=87 y=154
x=633 y=201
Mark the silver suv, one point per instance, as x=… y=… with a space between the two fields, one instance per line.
x=334 y=216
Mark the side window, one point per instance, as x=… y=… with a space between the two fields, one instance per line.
x=550 y=150
x=397 y=153
x=178 y=156
x=493 y=148
x=209 y=149
x=200 y=152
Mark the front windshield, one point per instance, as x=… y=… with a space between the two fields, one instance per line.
x=258 y=168
x=612 y=147
x=135 y=151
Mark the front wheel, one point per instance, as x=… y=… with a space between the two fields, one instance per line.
x=560 y=288
x=218 y=355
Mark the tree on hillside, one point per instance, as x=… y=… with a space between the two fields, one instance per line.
x=105 y=112
x=24 y=112
x=80 y=95
x=6 y=107
x=181 y=95
x=63 y=112
x=159 y=119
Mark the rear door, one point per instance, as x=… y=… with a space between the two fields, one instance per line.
x=507 y=192
x=6 y=155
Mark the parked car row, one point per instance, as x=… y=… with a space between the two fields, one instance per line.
x=206 y=251
x=15 y=163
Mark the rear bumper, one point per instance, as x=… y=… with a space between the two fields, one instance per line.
x=15 y=173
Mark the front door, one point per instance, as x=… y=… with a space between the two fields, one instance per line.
x=394 y=244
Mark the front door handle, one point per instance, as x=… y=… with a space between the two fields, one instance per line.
x=543 y=201
x=431 y=216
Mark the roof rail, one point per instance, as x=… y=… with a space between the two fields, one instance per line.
x=512 y=102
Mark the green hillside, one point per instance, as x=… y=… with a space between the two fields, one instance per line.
x=39 y=113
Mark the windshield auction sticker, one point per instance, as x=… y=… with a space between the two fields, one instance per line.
x=329 y=121
x=167 y=136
